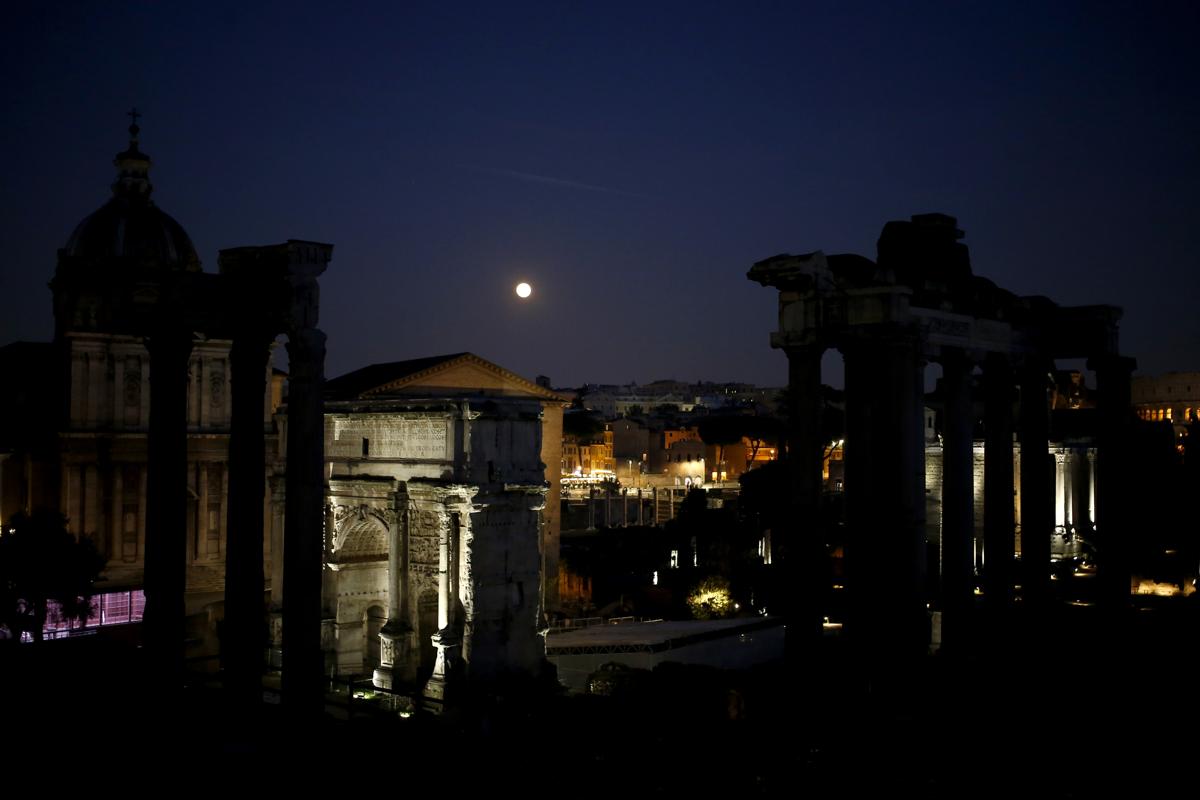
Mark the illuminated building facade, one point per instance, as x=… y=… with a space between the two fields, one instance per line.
x=1173 y=397
x=589 y=456
x=440 y=520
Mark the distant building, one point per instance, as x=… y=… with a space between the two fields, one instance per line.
x=1173 y=397
x=76 y=421
x=589 y=456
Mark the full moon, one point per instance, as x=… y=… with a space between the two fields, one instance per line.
x=524 y=290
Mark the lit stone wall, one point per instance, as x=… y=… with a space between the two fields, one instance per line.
x=463 y=481
x=1073 y=499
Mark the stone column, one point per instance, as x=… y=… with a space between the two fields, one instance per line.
x=3 y=508
x=244 y=639
x=1071 y=490
x=278 y=502
x=1113 y=504
x=803 y=546
x=1091 y=477
x=1061 y=498
x=998 y=484
x=166 y=536
x=958 y=499
x=447 y=639
x=884 y=462
x=1037 y=483
x=304 y=523
x=398 y=651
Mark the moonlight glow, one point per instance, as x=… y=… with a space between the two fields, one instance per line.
x=524 y=290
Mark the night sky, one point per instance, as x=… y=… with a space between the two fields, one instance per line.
x=631 y=161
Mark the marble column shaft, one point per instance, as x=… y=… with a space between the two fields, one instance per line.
x=304 y=501
x=958 y=499
x=166 y=503
x=998 y=483
x=243 y=641
x=1112 y=483
x=804 y=547
x=1037 y=482
x=884 y=463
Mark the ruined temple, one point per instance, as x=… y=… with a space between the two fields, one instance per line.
x=918 y=302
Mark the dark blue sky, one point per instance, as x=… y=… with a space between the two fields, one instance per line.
x=630 y=160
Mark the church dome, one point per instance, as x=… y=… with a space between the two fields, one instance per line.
x=130 y=231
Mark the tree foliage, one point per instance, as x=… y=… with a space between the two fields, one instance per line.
x=42 y=561
x=711 y=598
x=723 y=430
x=583 y=425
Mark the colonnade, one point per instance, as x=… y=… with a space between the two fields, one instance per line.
x=887 y=328
x=261 y=292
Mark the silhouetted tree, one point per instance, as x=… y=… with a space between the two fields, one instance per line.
x=724 y=430
x=583 y=425
x=41 y=561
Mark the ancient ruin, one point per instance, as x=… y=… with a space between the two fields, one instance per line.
x=920 y=302
x=438 y=535
x=159 y=446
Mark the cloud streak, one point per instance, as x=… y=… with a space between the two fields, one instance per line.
x=529 y=177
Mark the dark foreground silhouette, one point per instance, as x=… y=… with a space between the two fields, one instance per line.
x=1077 y=703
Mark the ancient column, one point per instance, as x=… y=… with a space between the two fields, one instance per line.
x=1091 y=478
x=958 y=499
x=304 y=502
x=3 y=458
x=447 y=639
x=884 y=463
x=1070 y=489
x=1113 y=505
x=1061 y=499
x=304 y=523
x=275 y=617
x=1037 y=482
x=398 y=653
x=803 y=543
x=998 y=485
x=166 y=503
x=243 y=638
